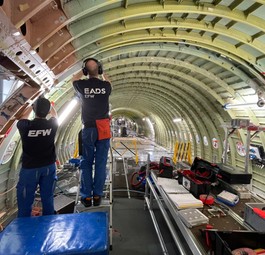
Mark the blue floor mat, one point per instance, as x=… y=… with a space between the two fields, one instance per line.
x=81 y=233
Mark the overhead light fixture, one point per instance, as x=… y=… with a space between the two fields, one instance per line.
x=32 y=52
x=17 y=33
x=177 y=120
x=67 y=111
x=259 y=104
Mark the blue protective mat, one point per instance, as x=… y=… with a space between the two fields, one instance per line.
x=80 y=233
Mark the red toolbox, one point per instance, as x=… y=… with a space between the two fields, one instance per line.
x=196 y=187
x=198 y=180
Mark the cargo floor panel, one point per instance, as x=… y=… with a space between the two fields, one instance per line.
x=222 y=223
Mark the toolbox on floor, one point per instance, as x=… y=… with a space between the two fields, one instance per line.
x=254 y=215
x=224 y=242
x=199 y=178
x=231 y=175
x=228 y=198
x=75 y=234
x=204 y=170
x=196 y=187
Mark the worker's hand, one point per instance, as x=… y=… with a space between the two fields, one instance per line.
x=53 y=112
x=105 y=77
x=77 y=76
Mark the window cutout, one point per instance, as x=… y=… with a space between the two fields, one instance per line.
x=205 y=141
x=31 y=66
x=18 y=53
x=28 y=61
x=23 y=29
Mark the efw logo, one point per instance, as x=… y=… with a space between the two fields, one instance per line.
x=35 y=133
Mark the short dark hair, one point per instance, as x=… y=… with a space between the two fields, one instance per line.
x=42 y=107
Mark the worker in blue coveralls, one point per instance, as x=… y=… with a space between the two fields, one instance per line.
x=94 y=95
x=38 y=158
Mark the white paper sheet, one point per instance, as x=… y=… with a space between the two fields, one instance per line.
x=171 y=185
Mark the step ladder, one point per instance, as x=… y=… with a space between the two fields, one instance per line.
x=107 y=199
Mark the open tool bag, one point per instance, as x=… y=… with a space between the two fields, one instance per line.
x=199 y=178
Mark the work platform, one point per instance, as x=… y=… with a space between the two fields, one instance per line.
x=133 y=230
x=188 y=240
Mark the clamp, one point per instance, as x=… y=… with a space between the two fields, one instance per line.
x=216 y=212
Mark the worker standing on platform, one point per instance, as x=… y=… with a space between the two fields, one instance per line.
x=94 y=95
x=38 y=158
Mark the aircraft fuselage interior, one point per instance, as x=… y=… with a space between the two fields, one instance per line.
x=185 y=171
